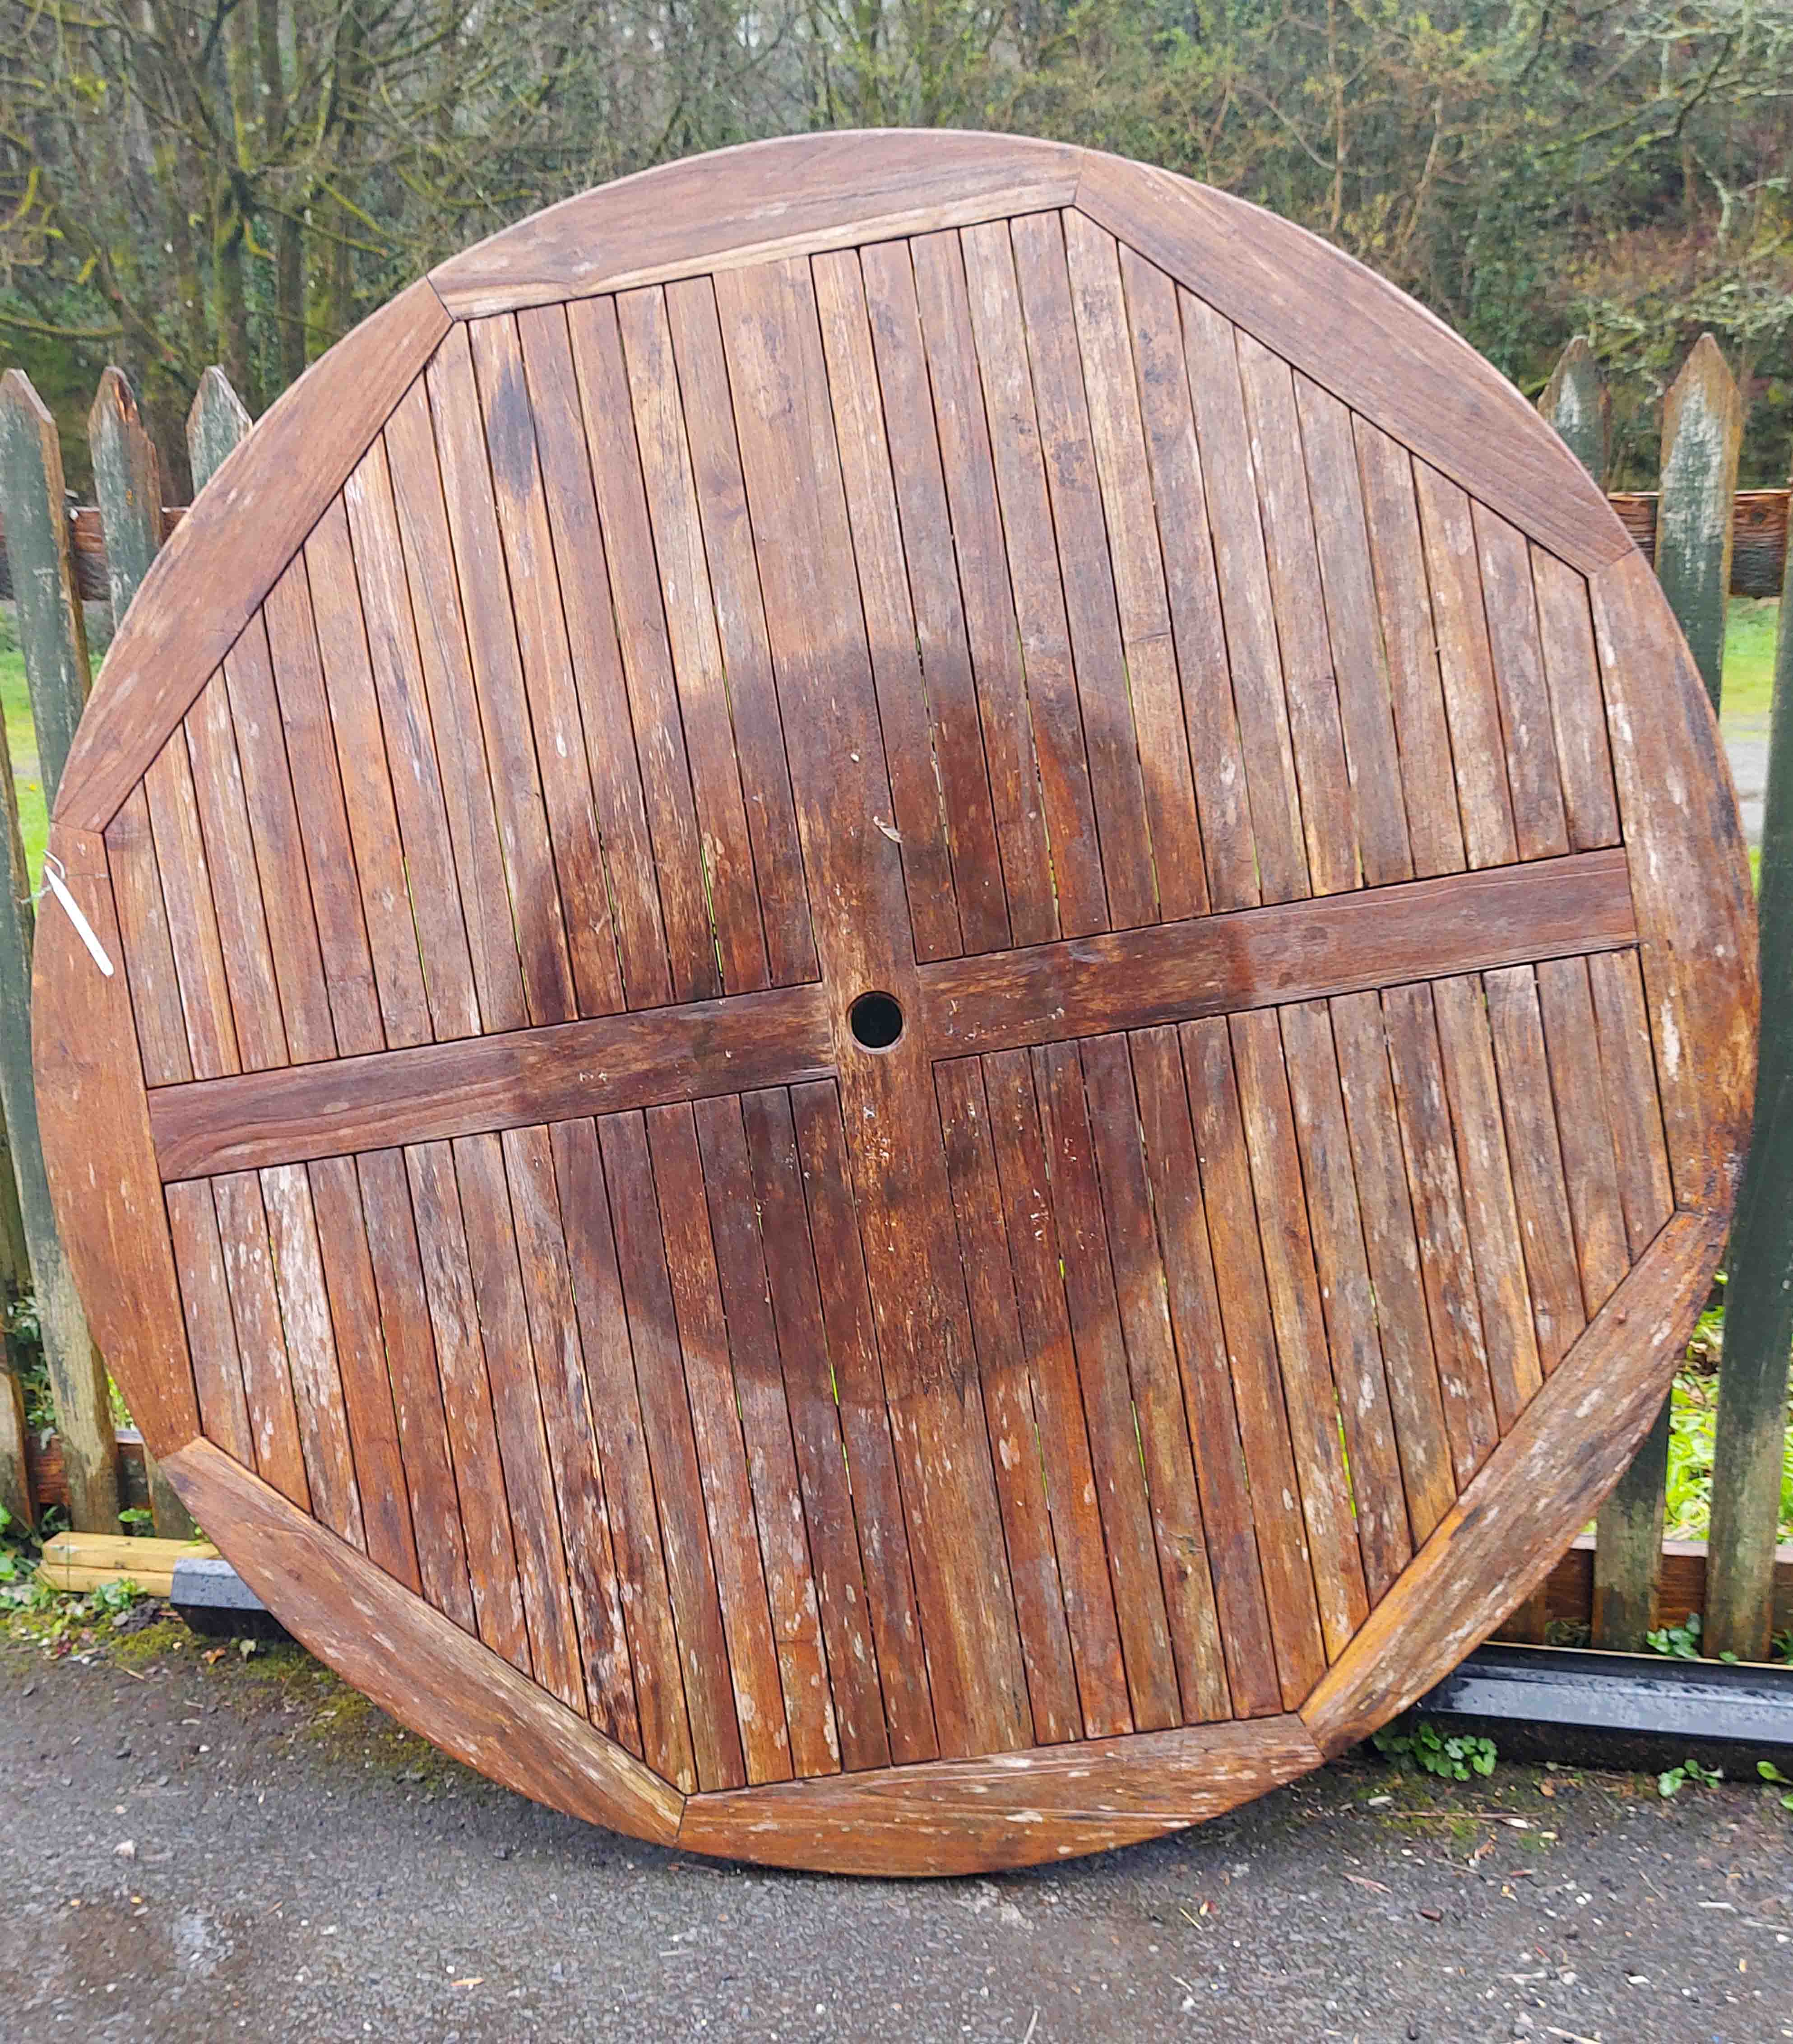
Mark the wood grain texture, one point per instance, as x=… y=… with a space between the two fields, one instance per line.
x=714 y=1401
x=905 y=394
x=1107 y=688
x=759 y=1390
x=1553 y=1470
x=555 y=719
x=1014 y=1809
x=315 y=781
x=748 y=205
x=94 y=1126
x=1242 y=1290
x=632 y=1510
x=429 y=1091
x=1160 y=1420
x=1010 y=1411
x=261 y=1340
x=608 y=418
x=1392 y=1250
x=1296 y=952
x=867 y=1434
x=417 y=1665
x=1036 y=1263
x=1118 y=437
x=1410 y=641
x=1110 y=1398
x=1223 y=435
x=594 y=650
x=1211 y=1412
x=1067 y=798
x=1191 y=591
x=839 y=1523
x=466 y=1383
x=691 y=1569
x=838 y=774
x=1310 y=689
x=968 y=466
x=378 y=867
x=1311 y=961
x=917 y=781
x=1517 y=1029
x=271 y=487
x=1387 y=357
x=1679 y=814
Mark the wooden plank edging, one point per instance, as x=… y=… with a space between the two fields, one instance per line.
x=1550 y=1474
x=261 y=503
x=414 y=1663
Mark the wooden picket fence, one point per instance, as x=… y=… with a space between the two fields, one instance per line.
x=1705 y=542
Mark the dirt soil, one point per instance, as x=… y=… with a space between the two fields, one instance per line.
x=195 y=1850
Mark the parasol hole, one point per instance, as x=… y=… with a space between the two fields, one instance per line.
x=876 y=1021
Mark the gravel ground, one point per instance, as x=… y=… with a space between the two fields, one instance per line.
x=243 y=1849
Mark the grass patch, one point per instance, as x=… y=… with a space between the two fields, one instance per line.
x=1693 y=1416
x=21 y=743
x=1750 y=624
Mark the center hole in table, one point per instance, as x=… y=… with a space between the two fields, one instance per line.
x=876 y=1021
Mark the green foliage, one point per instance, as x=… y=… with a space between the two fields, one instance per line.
x=17 y=1546
x=1681 y=1642
x=1750 y=637
x=176 y=189
x=1770 y=1774
x=1677 y=1778
x=21 y=743
x=1454 y=1756
x=1693 y=1410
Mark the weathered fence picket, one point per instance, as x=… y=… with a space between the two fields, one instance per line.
x=1752 y=1428
x=215 y=423
x=1701 y=440
x=128 y=478
x=1576 y=403
x=53 y=636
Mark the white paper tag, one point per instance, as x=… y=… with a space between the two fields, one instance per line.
x=83 y=929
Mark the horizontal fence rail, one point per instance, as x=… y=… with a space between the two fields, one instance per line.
x=1705 y=538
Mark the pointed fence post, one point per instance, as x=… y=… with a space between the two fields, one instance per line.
x=1752 y=1427
x=1702 y=438
x=55 y=643
x=1702 y=424
x=128 y=477
x=1576 y=402
x=215 y=423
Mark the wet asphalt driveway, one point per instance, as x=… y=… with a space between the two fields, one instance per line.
x=193 y=1851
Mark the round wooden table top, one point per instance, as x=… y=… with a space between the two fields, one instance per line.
x=934 y=1007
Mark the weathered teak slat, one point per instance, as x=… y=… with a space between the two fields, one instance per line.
x=932 y=1004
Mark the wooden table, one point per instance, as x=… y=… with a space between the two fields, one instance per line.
x=935 y=1003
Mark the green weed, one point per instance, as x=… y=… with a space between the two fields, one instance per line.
x=1453 y=1756
x=1677 y=1778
